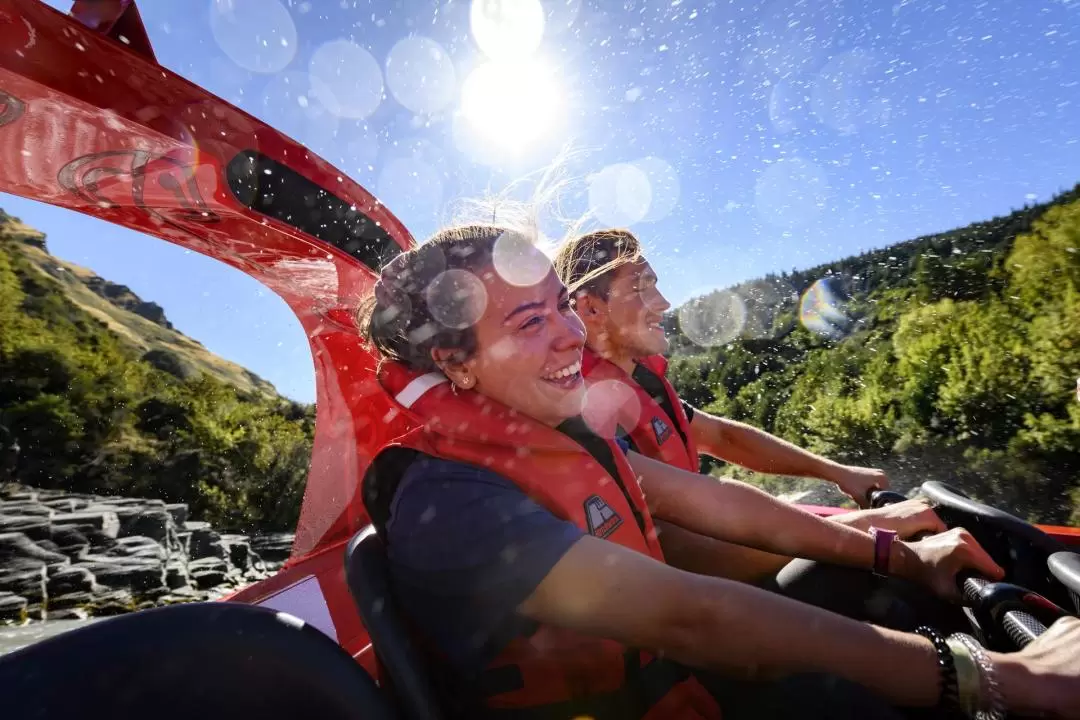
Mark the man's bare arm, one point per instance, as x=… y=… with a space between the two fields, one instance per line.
x=757 y=450
x=742 y=514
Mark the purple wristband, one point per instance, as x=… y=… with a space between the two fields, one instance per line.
x=883 y=542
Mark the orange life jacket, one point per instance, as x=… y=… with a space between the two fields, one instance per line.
x=551 y=673
x=636 y=404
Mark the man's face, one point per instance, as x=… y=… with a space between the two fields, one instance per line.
x=635 y=308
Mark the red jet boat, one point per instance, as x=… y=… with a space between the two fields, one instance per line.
x=89 y=121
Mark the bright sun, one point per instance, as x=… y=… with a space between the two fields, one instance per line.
x=512 y=104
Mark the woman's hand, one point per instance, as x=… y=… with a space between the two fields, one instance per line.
x=1044 y=677
x=907 y=518
x=936 y=560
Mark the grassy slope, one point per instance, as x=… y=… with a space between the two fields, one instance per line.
x=139 y=333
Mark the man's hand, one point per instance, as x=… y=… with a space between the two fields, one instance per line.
x=857 y=482
x=1044 y=677
x=935 y=561
x=907 y=518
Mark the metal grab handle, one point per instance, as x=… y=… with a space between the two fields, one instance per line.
x=1020 y=626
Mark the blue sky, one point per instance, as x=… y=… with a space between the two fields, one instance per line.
x=736 y=138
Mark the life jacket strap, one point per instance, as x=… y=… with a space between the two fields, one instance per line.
x=418 y=386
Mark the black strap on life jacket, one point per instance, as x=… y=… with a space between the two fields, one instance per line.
x=653 y=385
x=579 y=431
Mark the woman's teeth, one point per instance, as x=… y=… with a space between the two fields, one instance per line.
x=565 y=372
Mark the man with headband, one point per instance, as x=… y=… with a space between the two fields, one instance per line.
x=614 y=292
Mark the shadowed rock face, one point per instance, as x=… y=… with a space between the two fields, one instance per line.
x=171 y=363
x=65 y=555
x=122 y=296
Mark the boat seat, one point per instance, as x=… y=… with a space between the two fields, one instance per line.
x=189 y=661
x=1065 y=566
x=369 y=582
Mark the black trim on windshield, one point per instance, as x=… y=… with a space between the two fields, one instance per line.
x=270 y=188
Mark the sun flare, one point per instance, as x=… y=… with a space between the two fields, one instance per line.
x=512 y=105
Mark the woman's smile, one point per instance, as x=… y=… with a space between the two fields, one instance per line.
x=566 y=378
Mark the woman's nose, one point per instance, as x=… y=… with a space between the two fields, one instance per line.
x=570 y=334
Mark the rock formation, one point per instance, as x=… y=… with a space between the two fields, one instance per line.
x=65 y=555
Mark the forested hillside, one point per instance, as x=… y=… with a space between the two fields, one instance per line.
x=952 y=357
x=99 y=393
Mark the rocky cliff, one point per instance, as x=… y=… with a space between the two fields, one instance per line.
x=65 y=555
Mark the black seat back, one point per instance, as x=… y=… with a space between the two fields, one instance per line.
x=369 y=582
x=190 y=661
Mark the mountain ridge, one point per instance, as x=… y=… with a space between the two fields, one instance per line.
x=853 y=278
x=141 y=323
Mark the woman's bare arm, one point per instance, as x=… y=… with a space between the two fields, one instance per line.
x=705 y=555
x=740 y=513
x=605 y=589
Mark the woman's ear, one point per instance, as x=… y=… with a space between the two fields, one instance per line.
x=454 y=365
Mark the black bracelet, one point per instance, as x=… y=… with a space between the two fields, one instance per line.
x=949 y=700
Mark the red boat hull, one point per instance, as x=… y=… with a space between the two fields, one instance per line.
x=93 y=125
x=98 y=127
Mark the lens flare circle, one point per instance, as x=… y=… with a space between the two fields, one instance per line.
x=518 y=261
x=608 y=404
x=714 y=319
x=456 y=299
x=820 y=310
x=762 y=299
x=257 y=35
x=421 y=75
x=287 y=97
x=346 y=79
x=620 y=195
x=664 y=188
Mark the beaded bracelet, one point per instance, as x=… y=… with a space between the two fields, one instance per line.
x=949 y=698
x=992 y=703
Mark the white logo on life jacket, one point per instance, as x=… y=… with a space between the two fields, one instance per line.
x=600 y=518
x=661 y=429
